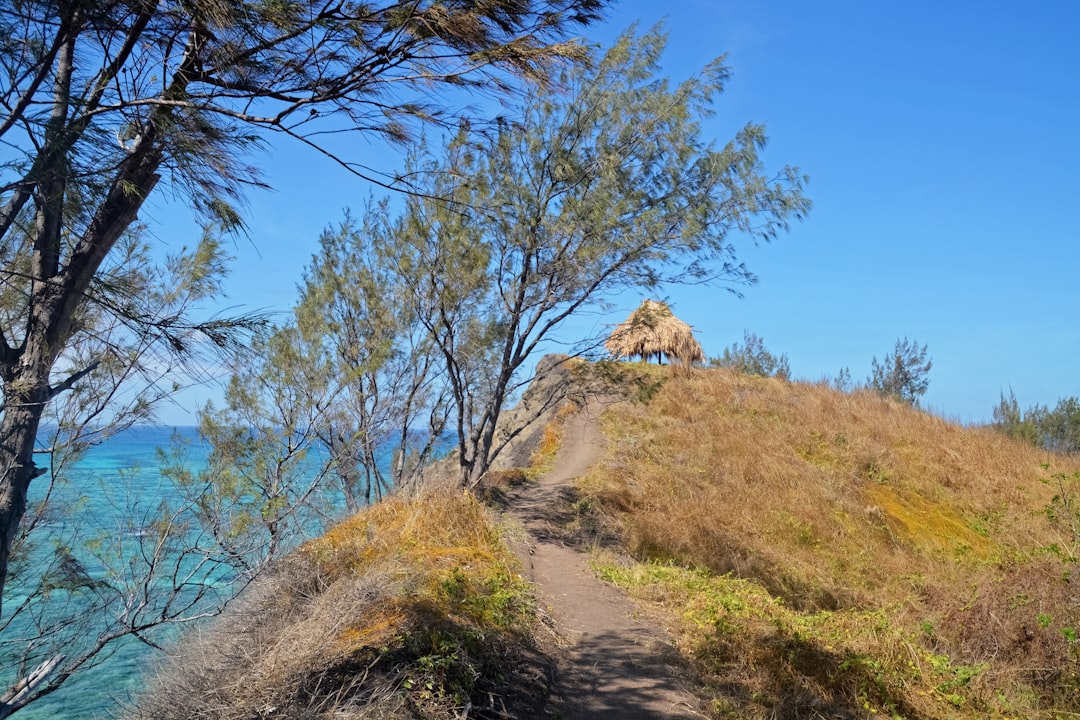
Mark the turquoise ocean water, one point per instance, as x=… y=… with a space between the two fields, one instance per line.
x=129 y=461
x=112 y=483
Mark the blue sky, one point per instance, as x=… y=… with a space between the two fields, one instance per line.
x=942 y=141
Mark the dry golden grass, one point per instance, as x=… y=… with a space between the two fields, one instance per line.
x=818 y=555
x=543 y=456
x=928 y=542
x=412 y=608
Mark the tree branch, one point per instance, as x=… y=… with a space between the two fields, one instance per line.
x=72 y=379
x=19 y=695
x=44 y=68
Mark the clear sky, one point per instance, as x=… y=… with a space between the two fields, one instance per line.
x=942 y=141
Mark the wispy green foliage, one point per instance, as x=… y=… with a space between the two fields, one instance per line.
x=106 y=101
x=753 y=358
x=323 y=400
x=610 y=184
x=85 y=587
x=360 y=326
x=1056 y=429
x=902 y=374
x=843 y=381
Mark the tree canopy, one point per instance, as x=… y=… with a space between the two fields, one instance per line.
x=108 y=101
x=903 y=374
x=1056 y=429
x=753 y=358
x=612 y=184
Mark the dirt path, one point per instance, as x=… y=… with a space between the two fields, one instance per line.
x=615 y=664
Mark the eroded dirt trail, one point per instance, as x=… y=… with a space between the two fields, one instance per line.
x=615 y=664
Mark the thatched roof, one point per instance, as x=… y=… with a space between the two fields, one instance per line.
x=653 y=329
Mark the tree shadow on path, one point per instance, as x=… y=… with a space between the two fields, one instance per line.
x=613 y=663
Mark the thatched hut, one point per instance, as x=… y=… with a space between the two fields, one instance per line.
x=651 y=330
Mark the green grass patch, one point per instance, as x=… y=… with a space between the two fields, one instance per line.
x=758 y=655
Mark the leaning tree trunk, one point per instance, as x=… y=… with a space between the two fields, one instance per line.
x=58 y=295
x=58 y=292
x=24 y=403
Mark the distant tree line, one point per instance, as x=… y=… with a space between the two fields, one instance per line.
x=1056 y=429
x=903 y=374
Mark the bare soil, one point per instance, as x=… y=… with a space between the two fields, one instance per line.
x=612 y=662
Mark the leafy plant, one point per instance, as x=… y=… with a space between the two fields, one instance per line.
x=843 y=381
x=1063 y=512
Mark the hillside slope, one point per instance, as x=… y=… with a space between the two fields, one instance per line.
x=824 y=554
x=813 y=554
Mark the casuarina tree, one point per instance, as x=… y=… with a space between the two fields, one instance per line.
x=903 y=374
x=612 y=184
x=106 y=102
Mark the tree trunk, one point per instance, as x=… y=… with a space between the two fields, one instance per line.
x=18 y=434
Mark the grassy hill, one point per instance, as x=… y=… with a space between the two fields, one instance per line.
x=408 y=609
x=824 y=554
x=816 y=554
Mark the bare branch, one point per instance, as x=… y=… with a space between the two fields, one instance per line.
x=72 y=379
x=19 y=695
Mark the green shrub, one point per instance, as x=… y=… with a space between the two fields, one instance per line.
x=753 y=358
